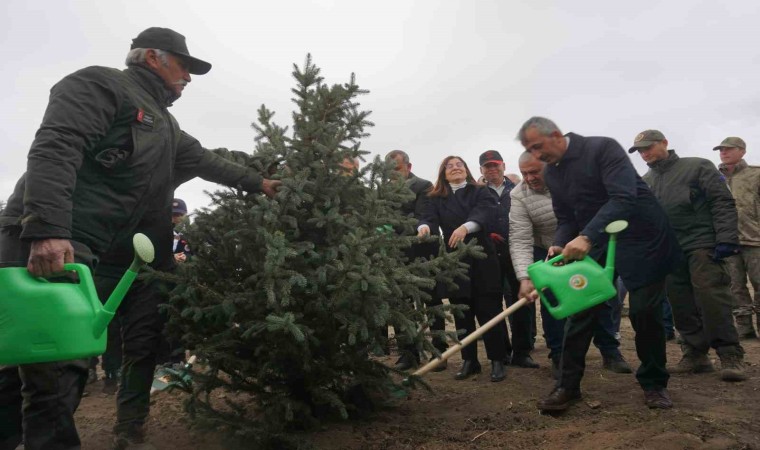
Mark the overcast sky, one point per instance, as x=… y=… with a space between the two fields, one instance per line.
x=446 y=77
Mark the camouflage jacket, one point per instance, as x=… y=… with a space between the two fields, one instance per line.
x=744 y=183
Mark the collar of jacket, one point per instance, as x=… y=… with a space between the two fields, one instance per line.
x=529 y=190
x=574 y=148
x=664 y=164
x=737 y=167
x=507 y=184
x=152 y=83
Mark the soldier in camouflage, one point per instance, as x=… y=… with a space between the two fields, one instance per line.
x=744 y=182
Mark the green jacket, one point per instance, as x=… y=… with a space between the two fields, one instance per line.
x=698 y=203
x=106 y=160
x=744 y=183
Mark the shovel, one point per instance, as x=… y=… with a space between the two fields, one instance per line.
x=472 y=337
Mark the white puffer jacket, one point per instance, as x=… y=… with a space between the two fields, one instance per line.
x=531 y=222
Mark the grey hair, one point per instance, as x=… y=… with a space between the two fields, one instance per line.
x=393 y=154
x=544 y=126
x=136 y=56
x=526 y=157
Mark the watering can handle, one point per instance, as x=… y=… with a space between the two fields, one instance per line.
x=86 y=285
x=556 y=259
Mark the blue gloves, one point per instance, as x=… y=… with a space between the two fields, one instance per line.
x=724 y=251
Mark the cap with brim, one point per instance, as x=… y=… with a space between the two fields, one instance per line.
x=179 y=206
x=490 y=156
x=732 y=141
x=645 y=139
x=170 y=41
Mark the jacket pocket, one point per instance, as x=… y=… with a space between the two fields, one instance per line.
x=111 y=158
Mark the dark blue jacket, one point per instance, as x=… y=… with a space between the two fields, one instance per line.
x=504 y=202
x=471 y=203
x=594 y=184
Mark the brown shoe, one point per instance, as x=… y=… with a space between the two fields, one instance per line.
x=559 y=400
x=693 y=363
x=658 y=399
x=732 y=368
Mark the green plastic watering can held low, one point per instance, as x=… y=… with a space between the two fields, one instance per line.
x=42 y=321
x=571 y=288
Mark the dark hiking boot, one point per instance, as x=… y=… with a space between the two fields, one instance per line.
x=693 y=363
x=559 y=400
x=617 y=364
x=658 y=399
x=732 y=368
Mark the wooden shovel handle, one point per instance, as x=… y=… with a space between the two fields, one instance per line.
x=472 y=337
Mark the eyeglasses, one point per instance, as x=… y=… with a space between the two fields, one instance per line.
x=455 y=165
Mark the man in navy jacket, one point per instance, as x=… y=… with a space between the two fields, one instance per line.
x=522 y=321
x=594 y=183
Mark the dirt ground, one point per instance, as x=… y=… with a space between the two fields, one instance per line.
x=478 y=414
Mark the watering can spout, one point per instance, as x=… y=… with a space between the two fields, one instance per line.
x=613 y=229
x=144 y=253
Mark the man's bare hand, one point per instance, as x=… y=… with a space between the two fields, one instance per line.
x=527 y=291
x=47 y=256
x=457 y=236
x=269 y=187
x=423 y=231
x=577 y=249
x=180 y=257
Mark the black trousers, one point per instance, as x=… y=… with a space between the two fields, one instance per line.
x=523 y=321
x=484 y=307
x=646 y=318
x=38 y=401
x=141 y=328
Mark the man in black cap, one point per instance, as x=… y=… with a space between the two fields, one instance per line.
x=103 y=165
x=521 y=321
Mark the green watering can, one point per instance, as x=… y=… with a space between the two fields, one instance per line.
x=42 y=321
x=571 y=288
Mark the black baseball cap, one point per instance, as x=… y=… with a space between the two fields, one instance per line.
x=490 y=156
x=170 y=41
